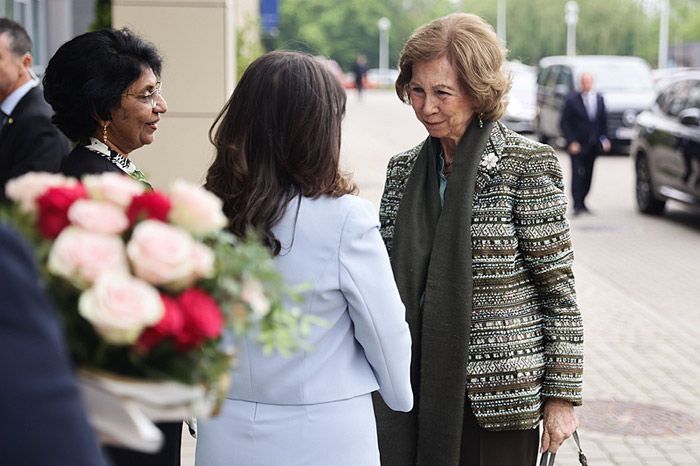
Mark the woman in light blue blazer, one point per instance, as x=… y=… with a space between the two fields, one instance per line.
x=276 y=169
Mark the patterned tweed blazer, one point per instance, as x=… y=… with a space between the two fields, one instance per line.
x=526 y=342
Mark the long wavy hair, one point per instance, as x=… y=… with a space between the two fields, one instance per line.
x=277 y=137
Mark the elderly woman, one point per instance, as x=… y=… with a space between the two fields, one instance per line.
x=104 y=88
x=473 y=218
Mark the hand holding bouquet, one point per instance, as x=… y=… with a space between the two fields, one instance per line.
x=146 y=283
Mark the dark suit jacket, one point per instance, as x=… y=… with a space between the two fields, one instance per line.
x=577 y=126
x=42 y=420
x=30 y=142
x=82 y=161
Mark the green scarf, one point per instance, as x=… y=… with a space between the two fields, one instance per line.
x=432 y=257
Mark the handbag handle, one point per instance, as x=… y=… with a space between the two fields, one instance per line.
x=548 y=457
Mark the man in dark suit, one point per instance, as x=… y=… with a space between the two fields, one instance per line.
x=42 y=420
x=584 y=125
x=28 y=139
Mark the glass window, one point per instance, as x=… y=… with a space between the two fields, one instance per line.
x=675 y=97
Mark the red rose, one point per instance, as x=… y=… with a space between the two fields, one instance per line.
x=203 y=318
x=169 y=326
x=149 y=205
x=53 y=208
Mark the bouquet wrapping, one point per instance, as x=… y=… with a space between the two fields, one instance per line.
x=146 y=284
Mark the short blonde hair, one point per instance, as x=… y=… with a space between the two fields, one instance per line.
x=472 y=48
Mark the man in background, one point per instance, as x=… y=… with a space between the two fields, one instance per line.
x=28 y=139
x=584 y=125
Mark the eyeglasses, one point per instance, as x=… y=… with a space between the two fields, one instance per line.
x=149 y=97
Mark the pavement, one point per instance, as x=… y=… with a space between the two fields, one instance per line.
x=638 y=287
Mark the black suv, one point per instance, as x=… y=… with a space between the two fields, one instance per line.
x=666 y=147
x=625 y=83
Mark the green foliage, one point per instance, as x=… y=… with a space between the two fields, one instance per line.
x=103 y=15
x=535 y=28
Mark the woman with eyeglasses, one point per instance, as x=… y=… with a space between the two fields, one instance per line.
x=104 y=88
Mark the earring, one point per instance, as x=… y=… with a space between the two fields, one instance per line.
x=480 y=121
x=104 y=133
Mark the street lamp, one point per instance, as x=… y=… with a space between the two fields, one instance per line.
x=663 y=34
x=571 y=18
x=384 y=24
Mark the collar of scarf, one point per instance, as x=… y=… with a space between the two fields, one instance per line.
x=99 y=147
x=431 y=257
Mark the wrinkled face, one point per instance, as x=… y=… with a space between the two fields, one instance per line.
x=438 y=99
x=12 y=70
x=135 y=121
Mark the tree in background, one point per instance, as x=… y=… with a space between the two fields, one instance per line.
x=103 y=15
x=535 y=28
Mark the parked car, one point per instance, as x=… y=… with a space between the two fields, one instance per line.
x=379 y=78
x=522 y=99
x=625 y=83
x=666 y=147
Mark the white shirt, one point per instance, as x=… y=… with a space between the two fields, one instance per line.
x=590 y=101
x=9 y=104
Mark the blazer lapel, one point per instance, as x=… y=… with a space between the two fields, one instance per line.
x=490 y=158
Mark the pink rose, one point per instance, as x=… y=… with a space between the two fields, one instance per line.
x=27 y=188
x=82 y=256
x=203 y=260
x=195 y=209
x=112 y=187
x=98 y=217
x=120 y=306
x=161 y=254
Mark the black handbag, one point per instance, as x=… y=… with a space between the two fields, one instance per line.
x=548 y=457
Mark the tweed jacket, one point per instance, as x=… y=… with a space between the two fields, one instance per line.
x=526 y=341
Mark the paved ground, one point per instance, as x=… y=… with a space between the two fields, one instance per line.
x=638 y=283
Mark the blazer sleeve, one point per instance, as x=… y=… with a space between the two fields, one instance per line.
x=43 y=420
x=374 y=305
x=544 y=239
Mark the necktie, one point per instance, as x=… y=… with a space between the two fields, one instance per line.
x=3 y=119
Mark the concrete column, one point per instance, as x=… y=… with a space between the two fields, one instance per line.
x=59 y=25
x=197 y=41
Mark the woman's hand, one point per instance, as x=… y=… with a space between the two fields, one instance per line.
x=560 y=422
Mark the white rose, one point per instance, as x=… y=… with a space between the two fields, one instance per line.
x=120 y=307
x=81 y=256
x=203 y=259
x=112 y=187
x=27 y=188
x=161 y=254
x=97 y=216
x=195 y=209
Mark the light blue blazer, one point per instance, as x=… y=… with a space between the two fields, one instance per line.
x=333 y=246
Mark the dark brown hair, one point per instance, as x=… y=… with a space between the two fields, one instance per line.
x=277 y=137
x=474 y=51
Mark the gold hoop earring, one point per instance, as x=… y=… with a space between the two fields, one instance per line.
x=480 y=121
x=104 y=133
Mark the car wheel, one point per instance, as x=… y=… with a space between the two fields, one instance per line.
x=647 y=201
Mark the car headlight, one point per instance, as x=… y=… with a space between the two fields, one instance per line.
x=629 y=117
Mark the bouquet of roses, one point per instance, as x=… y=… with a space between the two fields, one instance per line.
x=146 y=283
